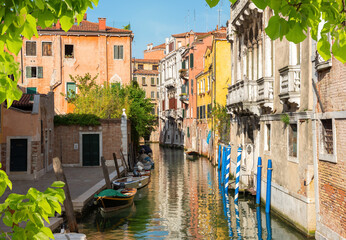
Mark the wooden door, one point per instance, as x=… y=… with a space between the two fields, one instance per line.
x=91 y=149
x=19 y=155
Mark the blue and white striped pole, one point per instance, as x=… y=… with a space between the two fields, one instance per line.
x=219 y=157
x=228 y=213
x=259 y=176
x=269 y=184
x=236 y=207
x=223 y=167
x=237 y=176
x=228 y=161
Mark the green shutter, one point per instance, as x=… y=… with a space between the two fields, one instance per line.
x=31 y=90
x=28 y=72
x=135 y=79
x=121 y=52
x=116 y=52
x=40 y=72
x=191 y=86
x=188 y=132
x=191 y=60
x=70 y=89
x=183 y=65
x=157 y=81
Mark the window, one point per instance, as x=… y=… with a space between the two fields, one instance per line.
x=157 y=95
x=152 y=94
x=191 y=86
x=267 y=133
x=179 y=44
x=70 y=89
x=208 y=87
x=188 y=132
x=203 y=111
x=30 y=48
x=292 y=141
x=155 y=67
x=143 y=81
x=47 y=49
x=135 y=79
x=327 y=141
x=197 y=88
x=157 y=81
x=198 y=113
x=140 y=66
x=69 y=53
x=191 y=60
x=31 y=90
x=153 y=111
x=183 y=65
x=209 y=110
x=34 y=72
x=118 y=52
x=152 y=81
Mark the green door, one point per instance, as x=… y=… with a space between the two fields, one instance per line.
x=91 y=149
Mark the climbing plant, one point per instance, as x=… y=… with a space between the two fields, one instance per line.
x=295 y=19
x=222 y=122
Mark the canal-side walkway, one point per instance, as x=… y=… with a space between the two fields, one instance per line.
x=83 y=183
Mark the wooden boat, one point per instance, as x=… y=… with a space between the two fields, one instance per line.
x=111 y=200
x=191 y=155
x=141 y=173
x=131 y=182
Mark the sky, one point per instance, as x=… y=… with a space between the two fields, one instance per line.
x=152 y=21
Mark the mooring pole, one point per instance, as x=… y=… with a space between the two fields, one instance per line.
x=68 y=205
x=105 y=173
x=237 y=176
x=219 y=162
x=269 y=182
x=259 y=176
x=116 y=165
x=269 y=226
x=259 y=222
x=228 y=161
x=223 y=167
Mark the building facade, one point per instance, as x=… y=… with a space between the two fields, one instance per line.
x=329 y=124
x=155 y=52
x=270 y=101
x=146 y=73
x=48 y=61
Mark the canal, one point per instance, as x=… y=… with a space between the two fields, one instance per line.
x=184 y=201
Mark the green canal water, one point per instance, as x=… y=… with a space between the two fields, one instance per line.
x=184 y=201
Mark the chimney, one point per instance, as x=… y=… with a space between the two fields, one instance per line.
x=85 y=16
x=151 y=46
x=217 y=27
x=102 y=24
x=148 y=47
x=57 y=25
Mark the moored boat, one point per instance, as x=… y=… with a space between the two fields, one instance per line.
x=139 y=173
x=191 y=155
x=131 y=182
x=111 y=200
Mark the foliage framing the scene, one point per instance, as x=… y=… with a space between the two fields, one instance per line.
x=32 y=208
x=20 y=18
x=107 y=102
x=294 y=19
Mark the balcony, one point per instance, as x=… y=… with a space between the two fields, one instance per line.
x=265 y=93
x=184 y=99
x=169 y=83
x=170 y=113
x=290 y=85
x=241 y=97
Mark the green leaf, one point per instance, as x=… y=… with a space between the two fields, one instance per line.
x=339 y=47
x=45 y=206
x=36 y=219
x=275 y=4
x=30 y=27
x=67 y=21
x=58 y=184
x=14 y=44
x=47 y=231
x=296 y=34
x=55 y=205
x=212 y=3
x=323 y=47
x=41 y=236
x=7 y=219
x=273 y=28
x=261 y=4
x=19 y=233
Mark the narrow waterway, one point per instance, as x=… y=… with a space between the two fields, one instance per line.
x=184 y=201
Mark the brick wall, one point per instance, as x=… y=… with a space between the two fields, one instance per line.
x=67 y=136
x=331 y=86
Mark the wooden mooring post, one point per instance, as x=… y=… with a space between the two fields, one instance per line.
x=116 y=164
x=60 y=176
x=105 y=173
x=124 y=161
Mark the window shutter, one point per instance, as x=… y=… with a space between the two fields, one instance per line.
x=191 y=86
x=28 y=72
x=31 y=90
x=187 y=88
x=40 y=72
x=116 y=52
x=191 y=60
x=121 y=52
x=183 y=66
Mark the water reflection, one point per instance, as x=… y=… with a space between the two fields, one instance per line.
x=186 y=200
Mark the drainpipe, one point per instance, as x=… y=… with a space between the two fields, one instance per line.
x=21 y=64
x=314 y=132
x=107 y=59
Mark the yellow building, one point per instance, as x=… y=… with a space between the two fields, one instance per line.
x=212 y=90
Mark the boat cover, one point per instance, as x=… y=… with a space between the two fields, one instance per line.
x=110 y=193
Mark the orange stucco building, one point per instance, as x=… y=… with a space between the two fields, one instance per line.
x=48 y=61
x=156 y=52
